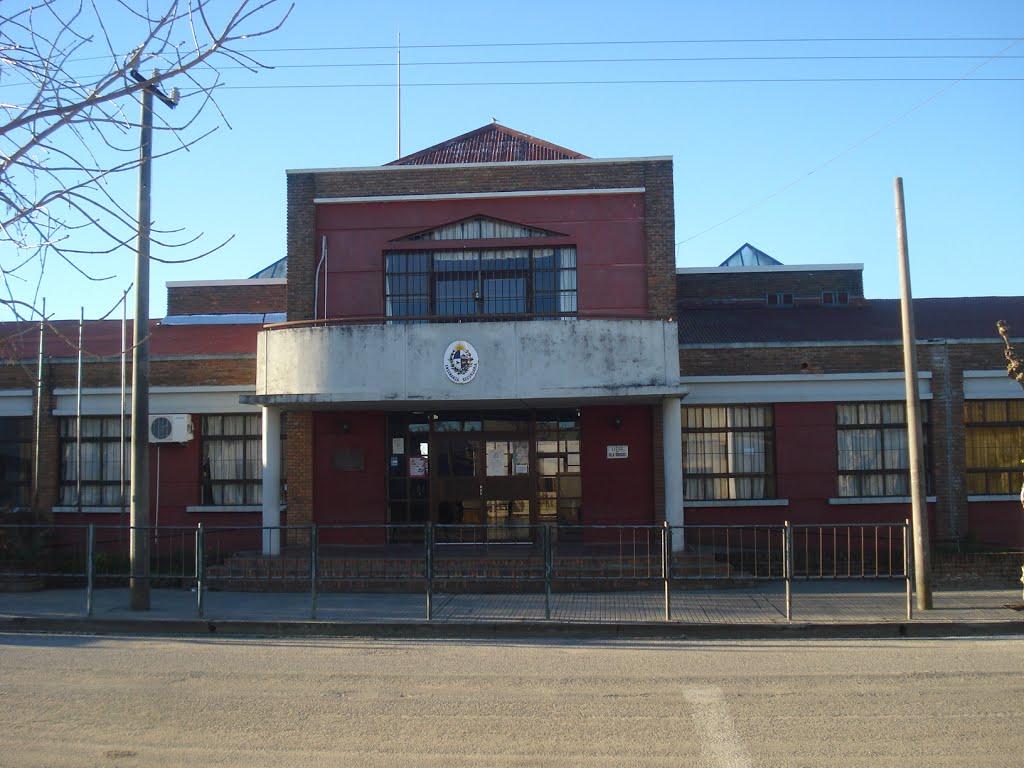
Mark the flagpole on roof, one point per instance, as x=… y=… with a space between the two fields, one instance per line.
x=398 y=89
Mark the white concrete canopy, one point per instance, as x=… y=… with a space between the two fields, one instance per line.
x=391 y=367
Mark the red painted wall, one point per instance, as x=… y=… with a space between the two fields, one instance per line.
x=807 y=476
x=346 y=496
x=174 y=479
x=996 y=523
x=607 y=230
x=617 y=491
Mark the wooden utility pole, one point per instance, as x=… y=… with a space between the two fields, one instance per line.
x=139 y=509
x=915 y=440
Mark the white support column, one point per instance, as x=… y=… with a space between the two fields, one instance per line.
x=672 y=449
x=271 y=481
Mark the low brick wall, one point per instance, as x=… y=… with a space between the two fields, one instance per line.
x=977 y=567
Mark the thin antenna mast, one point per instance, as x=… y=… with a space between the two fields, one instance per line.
x=398 y=84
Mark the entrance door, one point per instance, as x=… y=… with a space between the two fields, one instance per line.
x=484 y=475
x=481 y=480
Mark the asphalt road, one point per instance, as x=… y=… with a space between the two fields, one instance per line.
x=77 y=701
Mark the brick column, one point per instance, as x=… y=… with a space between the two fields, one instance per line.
x=301 y=244
x=948 y=461
x=299 y=461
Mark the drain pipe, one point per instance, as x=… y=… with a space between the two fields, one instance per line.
x=316 y=280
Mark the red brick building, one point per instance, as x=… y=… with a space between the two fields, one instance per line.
x=491 y=335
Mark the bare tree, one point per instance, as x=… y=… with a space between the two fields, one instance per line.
x=1014 y=365
x=70 y=134
x=1014 y=368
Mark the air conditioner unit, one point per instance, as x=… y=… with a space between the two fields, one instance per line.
x=170 y=428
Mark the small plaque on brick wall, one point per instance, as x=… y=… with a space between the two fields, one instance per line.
x=618 y=451
x=349 y=459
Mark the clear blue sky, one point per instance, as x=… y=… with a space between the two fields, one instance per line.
x=802 y=170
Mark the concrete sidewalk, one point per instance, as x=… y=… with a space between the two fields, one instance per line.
x=831 y=608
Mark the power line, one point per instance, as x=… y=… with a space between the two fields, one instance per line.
x=579 y=43
x=855 y=145
x=493 y=84
x=695 y=41
x=632 y=60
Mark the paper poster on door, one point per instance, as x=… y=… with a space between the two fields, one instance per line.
x=497 y=458
x=521 y=457
x=417 y=466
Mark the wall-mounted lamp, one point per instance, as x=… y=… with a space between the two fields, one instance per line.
x=345 y=428
x=617 y=422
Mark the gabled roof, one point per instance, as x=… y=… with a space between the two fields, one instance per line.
x=749 y=256
x=877 y=320
x=493 y=143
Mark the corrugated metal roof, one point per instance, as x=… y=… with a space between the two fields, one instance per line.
x=876 y=320
x=493 y=143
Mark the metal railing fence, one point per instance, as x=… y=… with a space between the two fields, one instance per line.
x=436 y=558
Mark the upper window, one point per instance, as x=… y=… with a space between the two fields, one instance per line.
x=994 y=439
x=480 y=228
x=729 y=452
x=100 y=461
x=873 y=452
x=482 y=284
x=15 y=461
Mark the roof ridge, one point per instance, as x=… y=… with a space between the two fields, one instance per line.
x=543 y=150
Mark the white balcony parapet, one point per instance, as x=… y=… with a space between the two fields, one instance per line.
x=396 y=366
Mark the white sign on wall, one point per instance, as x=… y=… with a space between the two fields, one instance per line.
x=618 y=451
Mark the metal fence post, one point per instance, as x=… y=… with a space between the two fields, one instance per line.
x=666 y=567
x=547 y=570
x=314 y=568
x=428 y=566
x=907 y=575
x=90 y=567
x=787 y=563
x=200 y=568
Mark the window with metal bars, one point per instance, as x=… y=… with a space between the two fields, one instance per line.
x=482 y=284
x=728 y=452
x=994 y=439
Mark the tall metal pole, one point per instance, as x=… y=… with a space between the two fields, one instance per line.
x=78 y=419
x=139 y=510
x=122 y=475
x=37 y=455
x=915 y=441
